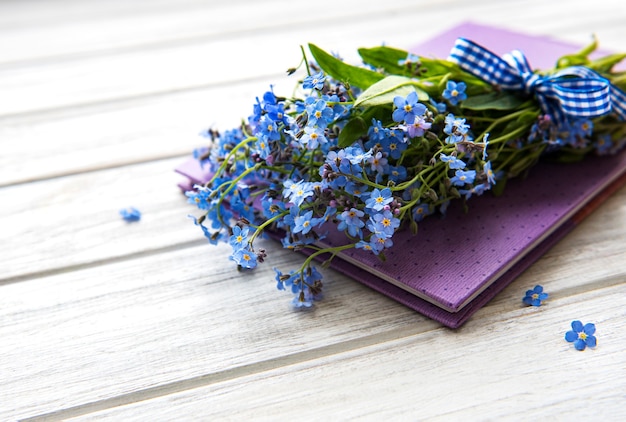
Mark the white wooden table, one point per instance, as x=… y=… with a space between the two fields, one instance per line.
x=99 y=319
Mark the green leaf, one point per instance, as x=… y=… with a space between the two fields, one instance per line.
x=589 y=48
x=438 y=67
x=344 y=72
x=605 y=64
x=380 y=112
x=353 y=130
x=385 y=58
x=527 y=118
x=493 y=101
x=385 y=90
x=577 y=59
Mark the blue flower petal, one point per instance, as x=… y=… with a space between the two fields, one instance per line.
x=538 y=289
x=591 y=341
x=580 y=344
x=536 y=302
x=571 y=336
x=589 y=329
x=543 y=296
x=577 y=326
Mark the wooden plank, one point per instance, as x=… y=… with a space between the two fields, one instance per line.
x=184 y=307
x=108 y=77
x=513 y=364
x=171 y=319
x=73 y=221
x=46 y=33
x=87 y=205
x=109 y=135
x=151 y=311
x=37 y=30
x=43 y=87
x=145 y=321
x=90 y=136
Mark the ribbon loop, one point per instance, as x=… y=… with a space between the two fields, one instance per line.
x=576 y=92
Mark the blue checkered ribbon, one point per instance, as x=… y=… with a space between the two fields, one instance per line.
x=575 y=92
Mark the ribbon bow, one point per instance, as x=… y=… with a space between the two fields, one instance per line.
x=586 y=95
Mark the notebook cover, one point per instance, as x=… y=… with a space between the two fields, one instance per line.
x=456 y=264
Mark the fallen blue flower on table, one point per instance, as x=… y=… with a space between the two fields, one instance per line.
x=535 y=296
x=581 y=335
x=130 y=214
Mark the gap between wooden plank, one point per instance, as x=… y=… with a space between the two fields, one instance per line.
x=185 y=26
x=382 y=347
x=234 y=373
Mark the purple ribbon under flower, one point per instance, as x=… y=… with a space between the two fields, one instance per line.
x=574 y=92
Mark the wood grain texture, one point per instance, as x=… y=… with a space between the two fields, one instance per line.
x=103 y=320
x=508 y=370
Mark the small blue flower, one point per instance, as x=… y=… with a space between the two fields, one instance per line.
x=245 y=258
x=456 y=128
x=313 y=137
x=367 y=246
x=130 y=214
x=377 y=162
x=441 y=107
x=535 y=296
x=455 y=92
x=304 y=223
x=407 y=108
x=269 y=128
x=351 y=220
x=315 y=81
x=453 y=162
x=239 y=237
x=582 y=336
x=297 y=192
x=383 y=222
x=461 y=177
x=491 y=177
x=379 y=198
x=420 y=211
x=319 y=114
x=376 y=131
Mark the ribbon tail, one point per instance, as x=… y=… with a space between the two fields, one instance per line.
x=618 y=100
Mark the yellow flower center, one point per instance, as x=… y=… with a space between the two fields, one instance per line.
x=582 y=336
x=455 y=92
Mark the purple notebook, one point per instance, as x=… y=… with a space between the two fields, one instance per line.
x=456 y=264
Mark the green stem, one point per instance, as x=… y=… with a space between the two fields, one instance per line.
x=228 y=157
x=333 y=251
